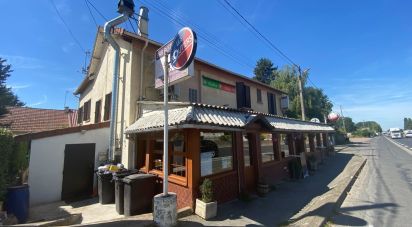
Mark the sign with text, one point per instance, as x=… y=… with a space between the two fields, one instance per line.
x=181 y=51
x=208 y=82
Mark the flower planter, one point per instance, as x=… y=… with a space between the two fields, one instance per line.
x=206 y=210
x=262 y=189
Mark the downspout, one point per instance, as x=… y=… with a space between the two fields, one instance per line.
x=108 y=36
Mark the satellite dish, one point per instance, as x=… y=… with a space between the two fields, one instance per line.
x=316 y=120
x=333 y=117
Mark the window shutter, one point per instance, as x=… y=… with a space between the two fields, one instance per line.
x=247 y=96
x=80 y=115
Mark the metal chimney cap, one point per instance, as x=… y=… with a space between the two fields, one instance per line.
x=125 y=7
x=144 y=13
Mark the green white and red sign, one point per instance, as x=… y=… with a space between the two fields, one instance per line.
x=212 y=83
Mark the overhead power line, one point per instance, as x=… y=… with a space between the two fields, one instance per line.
x=91 y=14
x=271 y=45
x=67 y=27
x=215 y=44
x=97 y=10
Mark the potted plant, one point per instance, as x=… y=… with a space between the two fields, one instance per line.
x=262 y=187
x=313 y=164
x=206 y=207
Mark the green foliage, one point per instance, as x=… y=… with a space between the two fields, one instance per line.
x=407 y=123
x=363 y=133
x=264 y=71
x=6 y=150
x=317 y=104
x=349 y=125
x=14 y=161
x=206 y=188
x=7 y=97
x=372 y=126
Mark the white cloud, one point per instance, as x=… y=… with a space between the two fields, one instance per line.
x=17 y=87
x=23 y=62
x=43 y=101
x=68 y=47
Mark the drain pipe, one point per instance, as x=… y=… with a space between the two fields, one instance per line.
x=108 y=26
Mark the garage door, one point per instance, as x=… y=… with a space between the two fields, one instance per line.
x=78 y=171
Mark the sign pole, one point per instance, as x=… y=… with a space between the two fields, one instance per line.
x=166 y=125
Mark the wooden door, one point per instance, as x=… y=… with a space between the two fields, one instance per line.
x=78 y=171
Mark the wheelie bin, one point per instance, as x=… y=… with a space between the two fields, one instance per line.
x=105 y=187
x=119 y=188
x=139 y=190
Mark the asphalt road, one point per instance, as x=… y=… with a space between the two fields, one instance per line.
x=382 y=195
x=405 y=141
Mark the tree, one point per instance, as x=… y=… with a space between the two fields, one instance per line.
x=407 y=123
x=7 y=97
x=372 y=126
x=349 y=124
x=264 y=71
x=317 y=104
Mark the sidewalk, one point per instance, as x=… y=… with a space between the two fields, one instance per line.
x=286 y=201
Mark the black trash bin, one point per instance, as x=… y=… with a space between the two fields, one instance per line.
x=105 y=188
x=139 y=190
x=119 y=188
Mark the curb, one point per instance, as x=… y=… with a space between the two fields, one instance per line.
x=323 y=207
x=402 y=146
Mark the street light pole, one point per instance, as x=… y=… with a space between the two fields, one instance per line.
x=166 y=126
x=302 y=105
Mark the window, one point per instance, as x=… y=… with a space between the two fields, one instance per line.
x=107 y=106
x=97 y=111
x=80 y=115
x=178 y=159
x=258 y=95
x=272 y=103
x=192 y=95
x=86 y=111
x=307 y=144
x=266 y=147
x=216 y=152
x=246 y=150
x=177 y=155
x=284 y=145
x=242 y=95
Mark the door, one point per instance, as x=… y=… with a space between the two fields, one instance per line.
x=78 y=171
x=250 y=174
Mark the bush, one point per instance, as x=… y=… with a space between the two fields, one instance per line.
x=6 y=151
x=206 y=190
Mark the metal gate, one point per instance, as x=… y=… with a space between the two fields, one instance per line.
x=78 y=171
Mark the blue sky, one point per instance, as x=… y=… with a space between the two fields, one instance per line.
x=359 y=52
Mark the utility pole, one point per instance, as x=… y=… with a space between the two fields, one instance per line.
x=343 y=118
x=302 y=105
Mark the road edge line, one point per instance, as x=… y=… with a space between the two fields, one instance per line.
x=399 y=145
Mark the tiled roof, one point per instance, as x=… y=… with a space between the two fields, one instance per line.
x=25 y=119
x=220 y=116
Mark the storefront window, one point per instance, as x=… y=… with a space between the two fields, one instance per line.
x=266 y=147
x=246 y=150
x=307 y=144
x=177 y=155
x=158 y=155
x=178 y=160
x=216 y=152
x=284 y=145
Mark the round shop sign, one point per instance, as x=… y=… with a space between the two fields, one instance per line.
x=183 y=48
x=333 y=117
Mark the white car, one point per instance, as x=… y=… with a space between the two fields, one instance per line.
x=408 y=134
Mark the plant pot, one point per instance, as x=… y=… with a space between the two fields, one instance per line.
x=206 y=210
x=313 y=165
x=262 y=189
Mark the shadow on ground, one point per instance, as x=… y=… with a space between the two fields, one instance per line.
x=344 y=218
x=288 y=198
